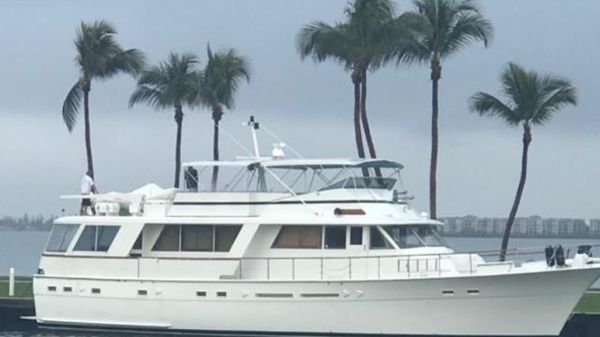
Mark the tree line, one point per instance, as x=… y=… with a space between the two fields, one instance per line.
x=372 y=35
x=26 y=223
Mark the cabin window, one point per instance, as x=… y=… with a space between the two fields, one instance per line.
x=303 y=237
x=378 y=241
x=356 y=234
x=197 y=238
x=225 y=236
x=335 y=237
x=96 y=238
x=137 y=245
x=403 y=236
x=61 y=238
x=410 y=236
x=168 y=239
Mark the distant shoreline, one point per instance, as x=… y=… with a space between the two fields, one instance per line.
x=516 y=236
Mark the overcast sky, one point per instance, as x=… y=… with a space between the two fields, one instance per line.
x=307 y=104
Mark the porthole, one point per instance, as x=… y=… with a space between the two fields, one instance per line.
x=448 y=292
x=221 y=294
x=143 y=292
x=201 y=293
x=51 y=288
x=95 y=290
x=67 y=289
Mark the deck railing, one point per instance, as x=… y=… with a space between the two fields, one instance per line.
x=382 y=267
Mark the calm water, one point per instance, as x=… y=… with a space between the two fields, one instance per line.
x=22 y=249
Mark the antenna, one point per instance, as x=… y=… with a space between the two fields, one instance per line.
x=254 y=126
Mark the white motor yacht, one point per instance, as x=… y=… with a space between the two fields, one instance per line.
x=290 y=246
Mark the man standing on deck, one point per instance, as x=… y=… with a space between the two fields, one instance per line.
x=88 y=187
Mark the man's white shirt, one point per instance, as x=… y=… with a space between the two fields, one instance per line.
x=86 y=184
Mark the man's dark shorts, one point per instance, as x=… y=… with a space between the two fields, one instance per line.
x=86 y=202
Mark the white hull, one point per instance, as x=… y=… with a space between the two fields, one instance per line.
x=528 y=304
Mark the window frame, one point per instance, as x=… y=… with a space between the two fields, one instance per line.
x=74 y=229
x=343 y=228
x=360 y=235
x=213 y=230
x=96 y=237
x=281 y=229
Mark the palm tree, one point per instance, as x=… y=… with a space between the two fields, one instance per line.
x=360 y=44
x=218 y=84
x=171 y=84
x=532 y=99
x=447 y=27
x=99 y=56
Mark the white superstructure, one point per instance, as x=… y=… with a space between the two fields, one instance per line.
x=303 y=246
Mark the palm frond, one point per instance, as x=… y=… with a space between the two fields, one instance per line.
x=557 y=93
x=148 y=95
x=468 y=28
x=488 y=105
x=220 y=79
x=129 y=61
x=453 y=24
x=407 y=36
x=534 y=98
x=322 y=41
x=71 y=106
x=170 y=83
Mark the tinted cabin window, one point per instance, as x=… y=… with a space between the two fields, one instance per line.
x=105 y=236
x=335 y=237
x=197 y=238
x=377 y=239
x=409 y=236
x=137 y=245
x=356 y=235
x=61 y=237
x=87 y=239
x=225 y=236
x=96 y=238
x=403 y=236
x=168 y=239
x=303 y=237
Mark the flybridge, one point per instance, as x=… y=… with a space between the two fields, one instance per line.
x=289 y=175
x=258 y=180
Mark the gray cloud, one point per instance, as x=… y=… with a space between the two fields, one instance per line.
x=308 y=104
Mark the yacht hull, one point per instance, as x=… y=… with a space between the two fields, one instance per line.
x=513 y=304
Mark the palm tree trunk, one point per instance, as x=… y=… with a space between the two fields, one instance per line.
x=515 y=206
x=357 y=128
x=217 y=113
x=365 y=120
x=436 y=74
x=88 y=137
x=179 y=122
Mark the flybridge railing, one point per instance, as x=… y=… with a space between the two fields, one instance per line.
x=386 y=267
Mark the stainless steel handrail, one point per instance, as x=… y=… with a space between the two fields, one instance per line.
x=413 y=262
